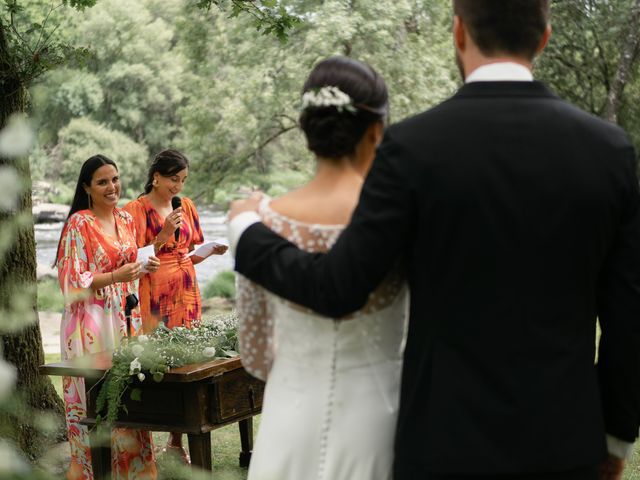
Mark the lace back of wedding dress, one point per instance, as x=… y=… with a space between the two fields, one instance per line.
x=256 y=307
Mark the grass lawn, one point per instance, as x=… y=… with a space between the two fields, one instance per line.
x=57 y=381
x=49 y=296
x=226 y=448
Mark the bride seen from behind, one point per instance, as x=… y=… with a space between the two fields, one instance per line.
x=331 y=398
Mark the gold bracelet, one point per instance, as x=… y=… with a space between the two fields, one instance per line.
x=112 y=279
x=157 y=245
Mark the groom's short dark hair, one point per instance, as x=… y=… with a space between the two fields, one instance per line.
x=505 y=26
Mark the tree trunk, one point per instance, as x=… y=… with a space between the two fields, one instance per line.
x=18 y=274
x=625 y=65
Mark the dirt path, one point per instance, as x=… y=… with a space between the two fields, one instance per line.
x=50 y=329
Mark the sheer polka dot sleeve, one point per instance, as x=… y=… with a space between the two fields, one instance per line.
x=256 y=307
x=255 y=327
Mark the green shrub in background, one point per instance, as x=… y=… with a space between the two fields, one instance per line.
x=83 y=137
x=223 y=285
x=64 y=194
x=49 y=296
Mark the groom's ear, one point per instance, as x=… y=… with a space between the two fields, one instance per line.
x=459 y=33
x=546 y=35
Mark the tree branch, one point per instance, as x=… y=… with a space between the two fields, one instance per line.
x=44 y=26
x=243 y=160
x=17 y=34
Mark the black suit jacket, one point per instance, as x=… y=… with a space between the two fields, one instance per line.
x=519 y=219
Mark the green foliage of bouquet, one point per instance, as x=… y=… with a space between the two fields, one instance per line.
x=154 y=355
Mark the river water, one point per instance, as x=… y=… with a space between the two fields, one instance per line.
x=212 y=224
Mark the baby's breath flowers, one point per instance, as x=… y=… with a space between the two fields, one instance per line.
x=158 y=352
x=137 y=349
x=328 y=96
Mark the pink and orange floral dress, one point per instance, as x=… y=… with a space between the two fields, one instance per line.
x=170 y=295
x=94 y=321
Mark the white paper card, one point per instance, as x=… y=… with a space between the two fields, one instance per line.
x=143 y=256
x=206 y=249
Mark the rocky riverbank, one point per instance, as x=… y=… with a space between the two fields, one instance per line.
x=49 y=212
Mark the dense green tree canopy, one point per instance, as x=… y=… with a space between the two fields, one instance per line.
x=165 y=73
x=581 y=60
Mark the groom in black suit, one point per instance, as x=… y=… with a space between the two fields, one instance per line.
x=518 y=218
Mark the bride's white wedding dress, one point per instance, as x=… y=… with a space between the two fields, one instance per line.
x=331 y=399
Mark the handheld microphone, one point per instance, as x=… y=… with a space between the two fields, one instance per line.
x=131 y=302
x=176 y=202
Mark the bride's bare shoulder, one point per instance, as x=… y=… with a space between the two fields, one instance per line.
x=308 y=205
x=292 y=204
x=285 y=203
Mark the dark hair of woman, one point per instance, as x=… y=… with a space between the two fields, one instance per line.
x=80 y=197
x=167 y=163
x=334 y=132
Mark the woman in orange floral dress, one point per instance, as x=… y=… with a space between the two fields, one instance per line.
x=171 y=295
x=97 y=270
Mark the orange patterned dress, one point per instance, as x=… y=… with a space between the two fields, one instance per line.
x=94 y=321
x=170 y=295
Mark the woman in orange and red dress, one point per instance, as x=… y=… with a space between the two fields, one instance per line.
x=171 y=295
x=97 y=269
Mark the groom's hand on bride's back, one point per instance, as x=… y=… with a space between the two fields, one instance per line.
x=611 y=468
x=249 y=204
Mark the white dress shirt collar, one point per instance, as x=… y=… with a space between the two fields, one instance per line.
x=500 y=72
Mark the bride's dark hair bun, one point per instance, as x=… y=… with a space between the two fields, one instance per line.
x=334 y=132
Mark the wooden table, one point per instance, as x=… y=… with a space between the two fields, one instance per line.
x=194 y=399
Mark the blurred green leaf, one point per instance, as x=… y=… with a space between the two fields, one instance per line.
x=136 y=394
